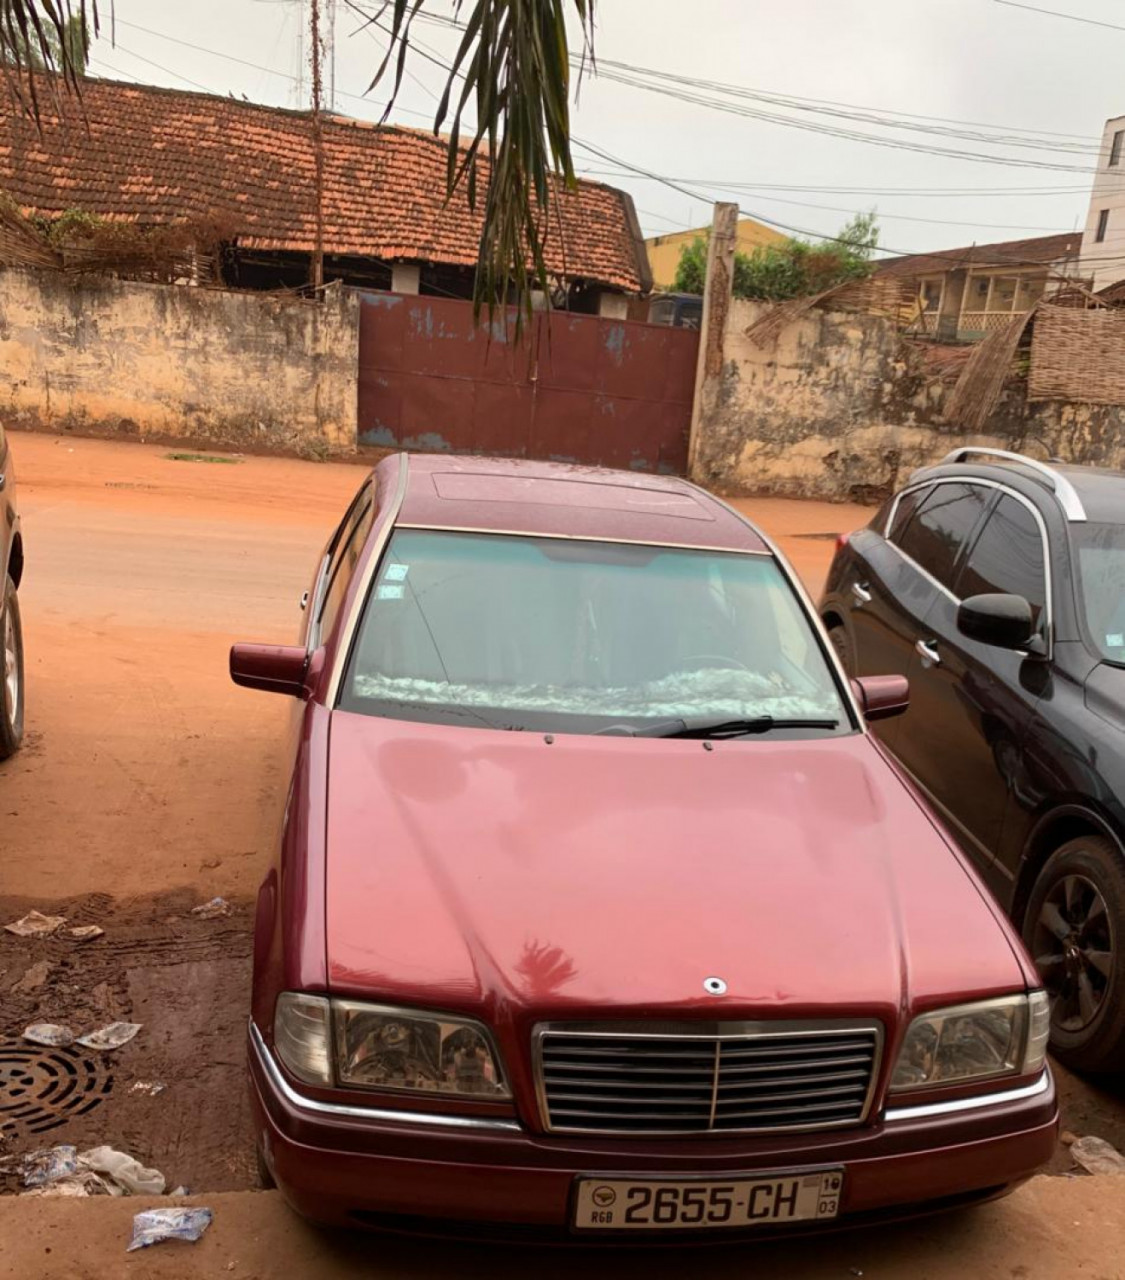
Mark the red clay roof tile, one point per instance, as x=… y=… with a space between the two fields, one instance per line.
x=147 y=154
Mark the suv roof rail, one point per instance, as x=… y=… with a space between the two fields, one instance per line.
x=1066 y=493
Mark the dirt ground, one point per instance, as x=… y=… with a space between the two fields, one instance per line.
x=149 y=784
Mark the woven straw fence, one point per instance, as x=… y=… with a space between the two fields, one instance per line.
x=1078 y=356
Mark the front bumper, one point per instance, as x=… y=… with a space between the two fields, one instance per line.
x=350 y=1166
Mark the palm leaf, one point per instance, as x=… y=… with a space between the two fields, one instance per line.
x=514 y=59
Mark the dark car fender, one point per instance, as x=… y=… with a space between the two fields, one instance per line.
x=1063 y=820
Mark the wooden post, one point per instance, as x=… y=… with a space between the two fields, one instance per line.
x=713 y=326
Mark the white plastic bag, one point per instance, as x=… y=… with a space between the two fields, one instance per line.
x=129 y=1174
x=154 y=1225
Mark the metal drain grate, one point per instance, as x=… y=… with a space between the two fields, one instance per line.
x=41 y=1089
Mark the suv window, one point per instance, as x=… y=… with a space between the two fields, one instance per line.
x=941 y=526
x=1008 y=557
x=904 y=513
x=341 y=566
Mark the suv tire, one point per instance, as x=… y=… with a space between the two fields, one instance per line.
x=11 y=672
x=1074 y=928
x=842 y=643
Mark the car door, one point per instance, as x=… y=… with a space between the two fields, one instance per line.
x=885 y=597
x=971 y=703
x=927 y=532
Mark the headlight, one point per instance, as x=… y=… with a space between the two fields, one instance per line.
x=385 y=1048
x=975 y=1041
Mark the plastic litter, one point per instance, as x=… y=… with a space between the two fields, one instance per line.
x=79 y=1184
x=35 y=925
x=154 y=1225
x=49 y=1034
x=48 y=1165
x=112 y=1036
x=209 y=910
x=148 y=1087
x=1097 y=1156
x=84 y=932
x=129 y=1174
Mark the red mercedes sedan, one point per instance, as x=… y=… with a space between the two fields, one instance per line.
x=597 y=911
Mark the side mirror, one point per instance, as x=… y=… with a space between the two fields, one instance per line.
x=881 y=697
x=1000 y=620
x=274 y=668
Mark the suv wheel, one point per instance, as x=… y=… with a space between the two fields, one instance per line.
x=1075 y=928
x=11 y=672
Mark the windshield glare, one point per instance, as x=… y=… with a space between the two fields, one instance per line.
x=542 y=633
x=1101 y=567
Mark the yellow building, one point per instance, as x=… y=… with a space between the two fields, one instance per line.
x=664 y=251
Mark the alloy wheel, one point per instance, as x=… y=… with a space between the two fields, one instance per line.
x=11 y=667
x=1072 y=945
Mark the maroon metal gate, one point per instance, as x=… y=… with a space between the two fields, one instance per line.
x=615 y=393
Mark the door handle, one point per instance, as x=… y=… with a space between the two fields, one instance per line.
x=304 y=601
x=862 y=595
x=926 y=651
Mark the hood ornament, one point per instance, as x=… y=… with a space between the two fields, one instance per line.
x=714 y=986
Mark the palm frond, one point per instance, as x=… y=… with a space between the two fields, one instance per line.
x=514 y=62
x=37 y=36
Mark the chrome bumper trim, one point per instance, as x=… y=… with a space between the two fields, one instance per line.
x=976 y=1103
x=340 y=1111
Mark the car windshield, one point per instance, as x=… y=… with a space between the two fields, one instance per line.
x=1101 y=573
x=581 y=636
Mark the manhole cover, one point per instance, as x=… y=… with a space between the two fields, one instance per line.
x=41 y=1089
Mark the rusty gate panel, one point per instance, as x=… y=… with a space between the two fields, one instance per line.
x=596 y=391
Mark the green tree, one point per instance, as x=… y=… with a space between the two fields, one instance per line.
x=512 y=69
x=793 y=268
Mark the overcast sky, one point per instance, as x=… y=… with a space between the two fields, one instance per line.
x=978 y=61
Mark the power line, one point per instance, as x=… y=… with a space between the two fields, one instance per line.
x=1054 y=13
x=927 y=192
x=683 y=190
x=688 y=88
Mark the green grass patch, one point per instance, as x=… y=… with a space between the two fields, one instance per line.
x=200 y=457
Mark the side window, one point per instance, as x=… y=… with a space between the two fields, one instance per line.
x=907 y=505
x=941 y=527
x=1008 y=557
x=341 y=565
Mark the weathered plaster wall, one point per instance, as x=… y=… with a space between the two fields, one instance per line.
x=237 y=369
x=843 y=408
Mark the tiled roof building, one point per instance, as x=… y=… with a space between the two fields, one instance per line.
x=155 y=155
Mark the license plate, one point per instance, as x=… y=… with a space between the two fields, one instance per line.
x=768 y=1199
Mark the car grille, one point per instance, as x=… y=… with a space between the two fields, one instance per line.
x=733 y=1077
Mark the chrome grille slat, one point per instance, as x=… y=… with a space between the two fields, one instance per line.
x=731 y=1077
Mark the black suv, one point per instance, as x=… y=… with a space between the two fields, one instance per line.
x=11 y=637
x=996 y=584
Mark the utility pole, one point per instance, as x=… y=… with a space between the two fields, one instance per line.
x=318 y=141
x=713 y=326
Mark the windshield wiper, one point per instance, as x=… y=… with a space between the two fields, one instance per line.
x=714 y=727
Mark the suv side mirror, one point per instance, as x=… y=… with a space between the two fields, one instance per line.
x=881 y=697
x=274 y=668
x=1000 y=620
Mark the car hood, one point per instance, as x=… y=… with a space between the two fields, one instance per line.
x=473 y=869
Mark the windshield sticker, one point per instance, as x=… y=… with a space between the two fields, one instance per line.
x=389 y=591
x=1116 y=641
x=396 y=573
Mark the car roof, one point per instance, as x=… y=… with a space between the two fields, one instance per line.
x=1100 y=490
x=553 y=499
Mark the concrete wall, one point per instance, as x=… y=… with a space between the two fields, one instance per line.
x=843 y=407
x=236 y=369
x=1104 y=260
